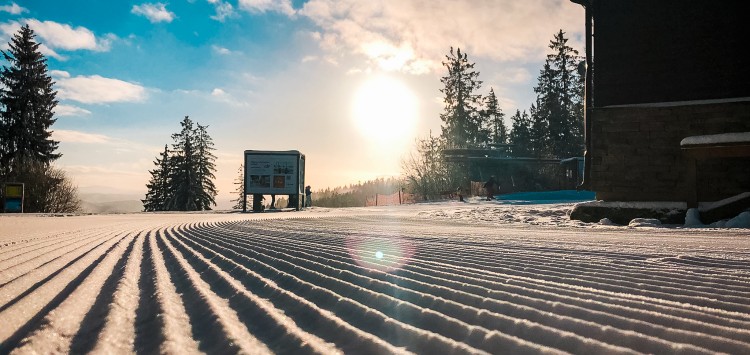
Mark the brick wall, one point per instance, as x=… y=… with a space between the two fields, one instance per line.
x=636 y=152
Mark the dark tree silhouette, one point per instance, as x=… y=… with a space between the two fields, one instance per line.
x=158 y=186
x=560 y=101
x=28 y=103
x=461 y=121
x=183 y=179
x=205 y=168
x=493 y=119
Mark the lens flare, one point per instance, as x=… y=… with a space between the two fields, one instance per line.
x=382 y=253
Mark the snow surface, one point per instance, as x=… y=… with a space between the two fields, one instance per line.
x=476 y=277
x=724 y=138
x=692 y=220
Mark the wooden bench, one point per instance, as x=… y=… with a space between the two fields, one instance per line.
x=713 y=146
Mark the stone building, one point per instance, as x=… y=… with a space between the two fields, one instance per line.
x=657 y=72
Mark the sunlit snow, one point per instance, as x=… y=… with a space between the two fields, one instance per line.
x=449 y=277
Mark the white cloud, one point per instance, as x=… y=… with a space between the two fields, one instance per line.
x=414 y=36
x=70 y=110
x=13 y=9
x=65 y=37
x=98 y=90
x=221 y=50
x=221 y=95
x=68 y=136
x=261 y=6
x=59 y=74
x=156 y=12
x=223 y=9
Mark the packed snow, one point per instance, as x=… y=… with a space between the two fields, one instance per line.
x=449 y=277
x=724 y=138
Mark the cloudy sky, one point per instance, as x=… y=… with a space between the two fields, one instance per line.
x=350 y=83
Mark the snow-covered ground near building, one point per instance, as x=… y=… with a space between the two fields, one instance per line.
x=438 y=278
x=552 y=209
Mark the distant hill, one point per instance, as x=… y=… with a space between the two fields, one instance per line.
x=110 y=203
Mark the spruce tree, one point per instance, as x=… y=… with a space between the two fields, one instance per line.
x=185 y=188
x=539 y=131
x=520 y=135
x=158 y=186
x=494 y=120
x=559 y=99
x=183 y=178
x=461 y=121
x=27 y=101
x=205 y=168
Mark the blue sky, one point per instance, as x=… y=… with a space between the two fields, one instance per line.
x=272 y=74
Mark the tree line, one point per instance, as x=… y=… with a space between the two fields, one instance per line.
x=551 y=128
x=27 y=150
x=355 y=195
x=182 y=179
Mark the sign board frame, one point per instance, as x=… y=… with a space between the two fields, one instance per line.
x=269 y=172
x=13 y=194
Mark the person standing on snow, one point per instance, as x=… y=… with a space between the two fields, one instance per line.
x=308 y=196
x=490 y=186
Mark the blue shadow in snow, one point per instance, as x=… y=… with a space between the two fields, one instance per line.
x=545 y=197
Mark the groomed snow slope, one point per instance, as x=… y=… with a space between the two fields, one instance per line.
x=378 y=280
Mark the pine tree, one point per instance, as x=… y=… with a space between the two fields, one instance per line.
x=206 y=166
x=28 y=103
x=520 y=135
x=494 y=120
x=461 y=121
x=559 y=99
x=158 y=186
x=538 y=132
x=185 y=188
x=183 y=178
x=240 y=189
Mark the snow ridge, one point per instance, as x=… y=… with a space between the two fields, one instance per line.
x=367 y=283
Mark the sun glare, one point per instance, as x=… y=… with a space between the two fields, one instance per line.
x=385 y=109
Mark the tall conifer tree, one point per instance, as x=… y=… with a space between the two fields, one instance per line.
x=185 y=185
x=494 y=120
x=520 y=135
x=461 y=121
x=559 y=100
x=27 y=102
x=205 y=168
x=157 y=195
x=183 y=179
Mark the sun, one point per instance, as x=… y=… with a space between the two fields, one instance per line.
x=385 y=109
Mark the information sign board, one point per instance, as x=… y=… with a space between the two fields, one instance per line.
x=274 y=172
x=13 y=197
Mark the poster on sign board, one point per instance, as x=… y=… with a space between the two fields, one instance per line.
x=270 y=172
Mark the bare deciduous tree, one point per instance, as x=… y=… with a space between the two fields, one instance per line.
x=425 y=170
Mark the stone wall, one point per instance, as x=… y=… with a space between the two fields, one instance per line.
x=636 y=152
